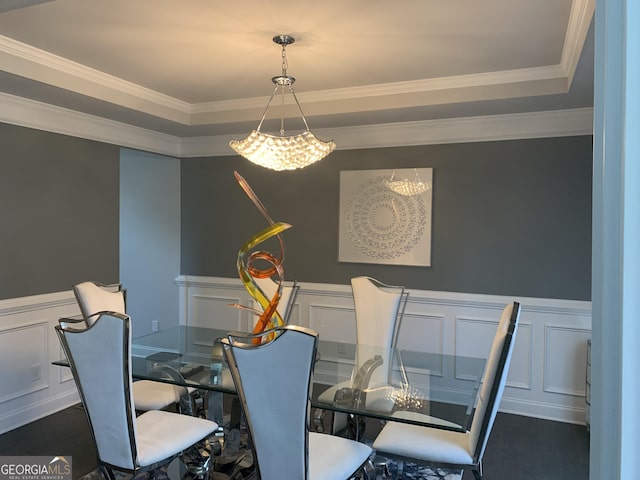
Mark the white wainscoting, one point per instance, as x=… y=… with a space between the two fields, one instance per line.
x=546 y=379
x=547 y=374
x=30 y=386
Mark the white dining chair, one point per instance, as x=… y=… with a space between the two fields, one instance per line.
x=94 y=298
x=273 y=381
x=100 y=360
x=378 y=310
x=439 y=446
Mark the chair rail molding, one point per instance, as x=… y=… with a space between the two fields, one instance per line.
x=548 y=368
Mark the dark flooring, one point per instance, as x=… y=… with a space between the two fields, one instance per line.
x=520 y=448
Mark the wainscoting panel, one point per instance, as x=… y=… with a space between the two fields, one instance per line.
x=422 y=332
x=216 y=311
x=333 y=322
x=30 y=386
x=520 y=371
x=475 y=335
x=559 y=376
x=547 y=374
x=28 y=370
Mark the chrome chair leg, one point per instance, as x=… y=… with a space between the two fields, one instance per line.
x=477 y=472
x=197 y=460
x=369 y=470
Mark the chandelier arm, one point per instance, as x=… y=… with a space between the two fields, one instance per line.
x=267 y=108
x=304 y=119
x=282 y=113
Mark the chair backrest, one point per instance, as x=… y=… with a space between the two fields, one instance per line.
x=379 y=309
x=99 y=359
x=287 y=297
x=494 y=379
x=273 y=381
x=95 y=297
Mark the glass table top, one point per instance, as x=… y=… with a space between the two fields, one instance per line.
x=423 y=388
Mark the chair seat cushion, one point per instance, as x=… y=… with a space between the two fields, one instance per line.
x=329 y=394
x=333 y=457
x=424 y=443
x=162 y=434
x=150 y=395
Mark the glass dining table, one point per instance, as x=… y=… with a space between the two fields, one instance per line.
x=431 y=389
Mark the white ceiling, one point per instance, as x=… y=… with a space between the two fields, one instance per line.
x=191 y=68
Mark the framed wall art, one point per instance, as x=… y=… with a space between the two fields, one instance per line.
x=385 y=216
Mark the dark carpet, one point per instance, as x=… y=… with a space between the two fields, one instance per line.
x=519 y=448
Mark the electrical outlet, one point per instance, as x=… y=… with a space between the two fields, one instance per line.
x=155 y=326
x=36 y=372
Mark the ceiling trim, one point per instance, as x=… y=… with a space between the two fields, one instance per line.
x=579 y=23
x=41 y=66
x=558 y=123
x=42 y=116
x=466 y=82
x=30 y=62
x=36 y=64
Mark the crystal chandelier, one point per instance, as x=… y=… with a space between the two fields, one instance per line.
x=406 y=187
x=282 y=152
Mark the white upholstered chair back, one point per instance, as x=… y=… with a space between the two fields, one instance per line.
x=287 y=297
x=273 y=382
x=378 y=309
x=99 y=358
x=93 y=298
x=494 y=379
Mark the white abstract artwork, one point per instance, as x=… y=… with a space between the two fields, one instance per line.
x=385 y=216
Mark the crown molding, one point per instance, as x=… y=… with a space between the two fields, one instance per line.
x=42 y=116
x=36 y=64
x=30 y=62
x=577 y=29
x=471 y=86
x=24 y=60
x=557 y=123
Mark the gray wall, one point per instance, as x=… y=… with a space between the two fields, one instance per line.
x=58 y=211
x=509 y=217
x=150 y=238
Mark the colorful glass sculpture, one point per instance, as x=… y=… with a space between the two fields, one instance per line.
x=248 y=266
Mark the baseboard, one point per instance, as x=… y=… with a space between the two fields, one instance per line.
x=35 y=411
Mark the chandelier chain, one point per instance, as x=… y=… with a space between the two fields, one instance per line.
x=285 y=64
